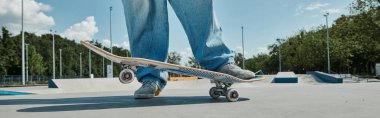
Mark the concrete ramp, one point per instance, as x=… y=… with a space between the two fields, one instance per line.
x=328 y=78
x=92 y=85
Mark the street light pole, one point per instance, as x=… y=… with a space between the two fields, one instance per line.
x=103 y=63
x=126 y=53
x=27 y=66
x=23 y=42
x=279 y=54
x=89 y=62
x=328 y=41
x=60 y=63
x=242 y=43
x=111 y=34
x=53 y=33
x=80 y=64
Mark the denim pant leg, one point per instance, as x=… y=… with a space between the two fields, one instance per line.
x=147 y=24
x=205 y=35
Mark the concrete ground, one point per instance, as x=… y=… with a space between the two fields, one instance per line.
x=190 y=99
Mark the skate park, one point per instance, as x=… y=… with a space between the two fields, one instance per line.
x=70 y=59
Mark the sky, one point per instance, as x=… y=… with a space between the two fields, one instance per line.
x=263 y=20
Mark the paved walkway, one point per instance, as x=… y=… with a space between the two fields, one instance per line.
x=259 y=100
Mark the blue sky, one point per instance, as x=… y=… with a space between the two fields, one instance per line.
x=263 y=21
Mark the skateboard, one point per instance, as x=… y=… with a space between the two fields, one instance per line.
x=222 y=81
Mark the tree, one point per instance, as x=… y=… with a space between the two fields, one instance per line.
x=363 y=6
x=258 y=62
x=239 y=59
x=36 y=63
x=3 y=69
x=193 y=63
x=174 y=58
x=40 y=55
x=10 y=53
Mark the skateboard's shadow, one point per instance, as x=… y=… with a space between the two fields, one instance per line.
x=110 y=102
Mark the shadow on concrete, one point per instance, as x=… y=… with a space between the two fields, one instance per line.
x=109 y=102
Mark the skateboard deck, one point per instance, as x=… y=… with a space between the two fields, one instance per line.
x=222 y=81
x=141 y=62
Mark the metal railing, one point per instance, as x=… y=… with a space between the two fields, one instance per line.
x=348 y=77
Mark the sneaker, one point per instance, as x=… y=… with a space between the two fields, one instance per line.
x=148 y=90
x=234 y=70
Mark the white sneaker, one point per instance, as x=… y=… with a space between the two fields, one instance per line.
x=148 y=90
x=234 y=70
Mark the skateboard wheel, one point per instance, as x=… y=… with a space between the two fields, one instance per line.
x=232 y=95
x=126 y=76
x=214 y=93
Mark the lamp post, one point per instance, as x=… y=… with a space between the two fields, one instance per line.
x=279 y=54
x=111 y=34
x=80 y=65
x=89 y=63
x=27 y=66
x=126 y=53
x=60 y=63
x=327 y=42
x=23 y=42
x=103 y=63
x=53 y=33
x=242 y=43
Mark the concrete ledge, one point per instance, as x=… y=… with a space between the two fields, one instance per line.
x=327 y=77
x=285 y=77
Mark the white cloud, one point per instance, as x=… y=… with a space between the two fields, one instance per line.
x=185 y=53
x=35 y=19
x=106 y=42
x=239 y=49
x=316 y=6
x=124 y=45
x=332 y=11
x=85 y=30
x=301 y=9
x=116 y=45
x=261 y=50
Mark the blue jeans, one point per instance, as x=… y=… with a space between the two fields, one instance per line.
x=148 y=30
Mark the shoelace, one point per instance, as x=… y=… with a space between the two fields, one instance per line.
x=233 y=65
x=148 y=84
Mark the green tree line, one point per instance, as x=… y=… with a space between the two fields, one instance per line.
x=40 y=59
x=354 y=45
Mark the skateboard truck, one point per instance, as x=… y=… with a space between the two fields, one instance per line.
x=223 y=89
x=127 y=75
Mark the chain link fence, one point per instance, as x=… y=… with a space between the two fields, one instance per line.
x=16 y=80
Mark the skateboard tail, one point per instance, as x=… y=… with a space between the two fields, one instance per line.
x=100 y=51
